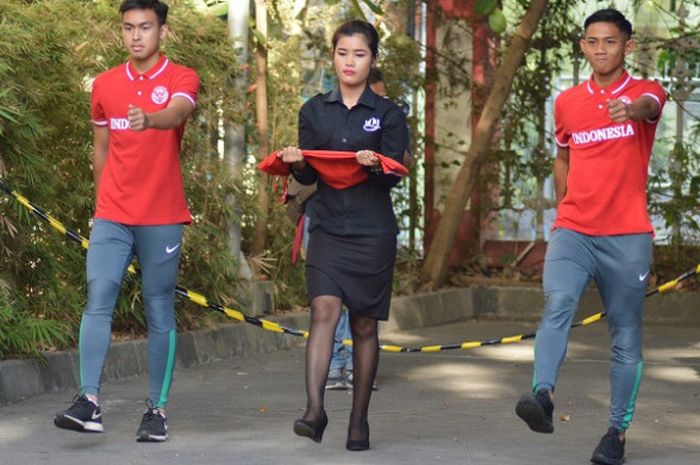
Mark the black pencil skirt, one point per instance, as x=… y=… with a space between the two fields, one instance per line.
x=357 y=269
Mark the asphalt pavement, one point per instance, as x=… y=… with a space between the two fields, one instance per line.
x=452 y=407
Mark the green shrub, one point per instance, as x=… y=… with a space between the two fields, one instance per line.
x=50 y=50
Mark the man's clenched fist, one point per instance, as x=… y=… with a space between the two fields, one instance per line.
x=619 y=111
x=138 y=119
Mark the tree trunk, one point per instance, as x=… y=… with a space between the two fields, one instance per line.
x=415 y=27
x=540 y=153
x=234 y=136
x=435 y=266
x=258 y=245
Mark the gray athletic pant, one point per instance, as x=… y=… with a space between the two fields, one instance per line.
x=112 y=248
x=619 y=265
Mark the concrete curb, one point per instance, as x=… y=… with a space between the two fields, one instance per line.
x=522 y=304
x=22 y=379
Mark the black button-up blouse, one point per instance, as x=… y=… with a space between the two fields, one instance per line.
x=376 y=124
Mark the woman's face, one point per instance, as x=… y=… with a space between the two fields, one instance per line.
x=352 y=59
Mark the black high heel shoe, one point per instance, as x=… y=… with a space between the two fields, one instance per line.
x=312 y=429
x=358 y=444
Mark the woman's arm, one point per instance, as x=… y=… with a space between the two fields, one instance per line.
x=394 y=144
x=302 y=171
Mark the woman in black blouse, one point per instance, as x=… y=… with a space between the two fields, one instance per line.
x=352 y=245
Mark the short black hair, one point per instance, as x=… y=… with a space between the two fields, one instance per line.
x=358 y=27
x=610 y=15
x=160 y=8
x=375 y=75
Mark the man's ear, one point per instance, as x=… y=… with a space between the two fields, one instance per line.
x=163 y=32
x=582 y=44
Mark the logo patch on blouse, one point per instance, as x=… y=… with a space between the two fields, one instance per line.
x=371 y=125
x=159 y=95
x=626 y=100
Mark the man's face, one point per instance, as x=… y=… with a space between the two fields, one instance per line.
x=142 y=34
x=605 y=46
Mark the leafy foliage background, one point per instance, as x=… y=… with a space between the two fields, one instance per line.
x=50 y=52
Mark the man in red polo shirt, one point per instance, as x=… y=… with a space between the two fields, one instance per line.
x=139 y=111
x=604 y=131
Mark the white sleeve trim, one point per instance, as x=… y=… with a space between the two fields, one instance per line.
x=649 y=94
x=99 y=122
x=559 y=143
x=184 y=95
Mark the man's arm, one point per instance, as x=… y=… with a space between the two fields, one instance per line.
x=173 y=116
x=645 y=108
x=561 y=171
x=99 y=156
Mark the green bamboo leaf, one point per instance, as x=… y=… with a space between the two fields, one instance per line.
x=374 y=6
x=358 y=9
x=218 y=10
x=8 y=116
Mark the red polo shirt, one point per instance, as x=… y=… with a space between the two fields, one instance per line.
x=608 y=162
x=141 y=183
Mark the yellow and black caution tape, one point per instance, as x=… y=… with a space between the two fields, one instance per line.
x=268 y=325
x=195 y=297
x=669 y=286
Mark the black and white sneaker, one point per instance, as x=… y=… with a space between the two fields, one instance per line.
x=610 y=450
x=536 y=410
x=84 y=416
x=154 y=427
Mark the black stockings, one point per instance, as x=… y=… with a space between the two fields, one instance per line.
x=365 y=358
x=325 y=312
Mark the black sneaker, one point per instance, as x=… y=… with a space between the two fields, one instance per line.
x=154 y=427
x=536 y=410
x=83 y=416
x=610 y=450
